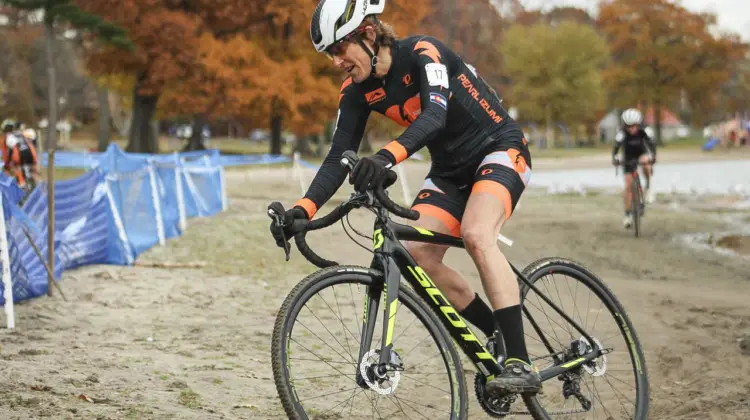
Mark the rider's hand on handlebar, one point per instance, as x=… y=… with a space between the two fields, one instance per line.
x=368 y=170
x=294 y=221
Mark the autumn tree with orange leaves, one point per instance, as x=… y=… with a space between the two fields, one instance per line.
x=232 y=58
x=660 y=49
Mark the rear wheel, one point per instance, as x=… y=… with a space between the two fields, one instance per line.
x=316 y=363
x=612 y=386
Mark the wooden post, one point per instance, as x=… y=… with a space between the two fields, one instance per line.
x=51 y=219
x=49 y=31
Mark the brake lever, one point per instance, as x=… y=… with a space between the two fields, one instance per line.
x=279 y=220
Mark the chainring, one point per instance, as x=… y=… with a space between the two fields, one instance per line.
x=497 y=409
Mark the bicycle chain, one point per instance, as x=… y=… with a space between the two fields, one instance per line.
x=554 y=413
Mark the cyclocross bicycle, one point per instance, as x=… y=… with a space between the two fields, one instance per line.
x=637 y=203
x=331 y=360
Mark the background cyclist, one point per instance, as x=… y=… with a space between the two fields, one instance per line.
x=637 y=146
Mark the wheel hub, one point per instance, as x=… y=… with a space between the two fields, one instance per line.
x=377 y=377
x=595 y=367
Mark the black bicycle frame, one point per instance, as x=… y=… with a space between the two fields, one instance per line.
x=392 y=258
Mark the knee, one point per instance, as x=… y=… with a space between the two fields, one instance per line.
x=477 y=238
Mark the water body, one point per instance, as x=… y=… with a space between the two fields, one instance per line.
x=714 y=177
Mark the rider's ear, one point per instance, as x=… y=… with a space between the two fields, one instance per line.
x=370 y=34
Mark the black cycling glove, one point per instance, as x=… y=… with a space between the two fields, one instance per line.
x=368 y=171
x=295 y=221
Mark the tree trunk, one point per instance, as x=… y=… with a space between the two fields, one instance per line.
x=141 y=138
x=104 y=116
x=49 y=44
x=276 y=121
x=657 y=123
x=195 y=142
x=303 y=145
x=548 y=132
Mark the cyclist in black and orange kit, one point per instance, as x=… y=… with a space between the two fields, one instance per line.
x=20 y=151
x=480 y=160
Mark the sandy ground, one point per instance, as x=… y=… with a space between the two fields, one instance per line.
x=187 y=343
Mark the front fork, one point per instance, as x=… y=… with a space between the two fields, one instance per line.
x=382 y=261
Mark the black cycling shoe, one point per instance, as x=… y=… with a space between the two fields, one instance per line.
x=518 y=378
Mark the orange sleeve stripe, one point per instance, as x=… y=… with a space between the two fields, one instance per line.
x=429 y=50
x=397 y=150
x=346 y=83
x=498 y=190
x=308 y=205
x=450 y=222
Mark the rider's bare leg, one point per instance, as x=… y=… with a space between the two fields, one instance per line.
x=646 y=165
x=628 y=196
x=483 y=218
x=455 y=288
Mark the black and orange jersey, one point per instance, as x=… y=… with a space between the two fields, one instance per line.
x=431 y=91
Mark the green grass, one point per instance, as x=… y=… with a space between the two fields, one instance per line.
x=189 y=399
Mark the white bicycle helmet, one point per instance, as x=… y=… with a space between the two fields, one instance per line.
x=632 y=116
x=333 y=20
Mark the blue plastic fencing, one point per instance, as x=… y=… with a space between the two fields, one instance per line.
x=89 y=160
x=124 y=205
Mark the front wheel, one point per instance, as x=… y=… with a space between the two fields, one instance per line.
x=316 y=354
x=612 y=386
x=636 y=206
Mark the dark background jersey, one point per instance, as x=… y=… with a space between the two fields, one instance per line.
x=431 y=91
x=634 y=146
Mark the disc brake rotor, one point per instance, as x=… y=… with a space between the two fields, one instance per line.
x=371 y=378
x=598 y=366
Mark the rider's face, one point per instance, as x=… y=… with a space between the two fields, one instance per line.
x=632 y=129
x=350 y=57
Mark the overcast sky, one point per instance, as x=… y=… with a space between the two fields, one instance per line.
x=733 y=15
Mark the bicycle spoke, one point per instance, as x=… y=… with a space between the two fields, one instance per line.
x=562 y=305
x=321 y=359
x=318 y=360
x=580 y=319
x=327 y=395
x=426 y=384
x=354 y=393
x=618 y=394
x=338 y=307
x=324 y=342
x=416 y=403
x=329 y=332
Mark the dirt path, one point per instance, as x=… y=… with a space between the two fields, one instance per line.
x=148 y=343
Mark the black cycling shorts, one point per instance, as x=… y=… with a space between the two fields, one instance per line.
x=504 y=171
